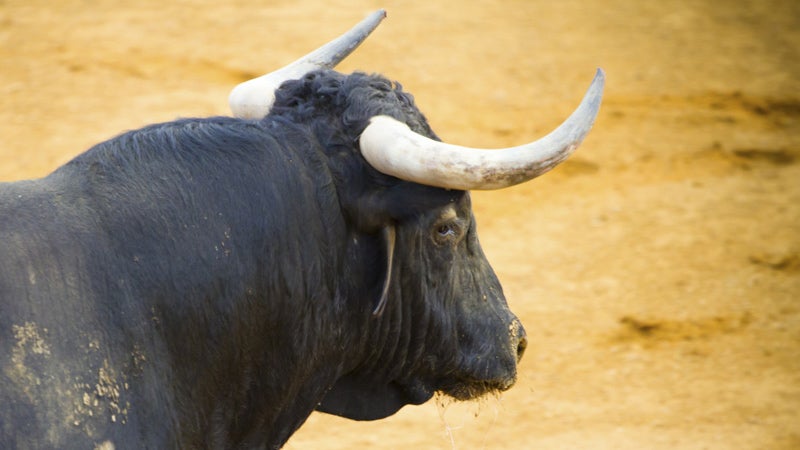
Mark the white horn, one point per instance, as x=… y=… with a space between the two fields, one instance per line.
x=392 y=148
x=253 y=99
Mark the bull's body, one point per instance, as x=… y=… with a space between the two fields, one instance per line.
x=206 y=283
x=159 y=294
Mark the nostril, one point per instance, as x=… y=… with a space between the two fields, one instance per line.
x=519 y=337
x=521 y=346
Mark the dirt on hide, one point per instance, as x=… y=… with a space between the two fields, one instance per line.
x=657 y=271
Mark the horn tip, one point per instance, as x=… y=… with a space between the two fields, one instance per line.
x=594 y=95
x=376 y=17
x=599 y=78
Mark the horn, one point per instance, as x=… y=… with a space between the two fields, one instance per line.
x=392 y=148
x=253 y=99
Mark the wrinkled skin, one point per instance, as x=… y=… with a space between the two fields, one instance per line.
x=447 y=327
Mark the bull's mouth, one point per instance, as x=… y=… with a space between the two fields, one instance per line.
x=357 y=400
x=471 y=389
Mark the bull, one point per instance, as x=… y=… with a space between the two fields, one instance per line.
x=208 y=283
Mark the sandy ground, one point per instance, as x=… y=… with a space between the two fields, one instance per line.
x=657 y=272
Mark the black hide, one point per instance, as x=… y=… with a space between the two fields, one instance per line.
x=208 y=283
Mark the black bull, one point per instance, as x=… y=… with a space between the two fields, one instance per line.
x=211 y=282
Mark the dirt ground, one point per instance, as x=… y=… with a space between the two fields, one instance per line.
x=657 y=271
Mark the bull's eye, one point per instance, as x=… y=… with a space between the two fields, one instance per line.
x=447 y=232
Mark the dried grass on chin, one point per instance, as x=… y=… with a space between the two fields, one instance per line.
x=491 y=400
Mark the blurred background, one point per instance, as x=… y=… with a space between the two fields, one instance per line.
x=657 y=271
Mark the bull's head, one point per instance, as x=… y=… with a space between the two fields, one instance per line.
x=438 y=320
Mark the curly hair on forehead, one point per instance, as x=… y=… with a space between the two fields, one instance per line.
x=349 y=100
x=334 y=109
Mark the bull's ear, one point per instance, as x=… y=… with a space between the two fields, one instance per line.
x=369 y=215
x=380 y=210
x=375 y=210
